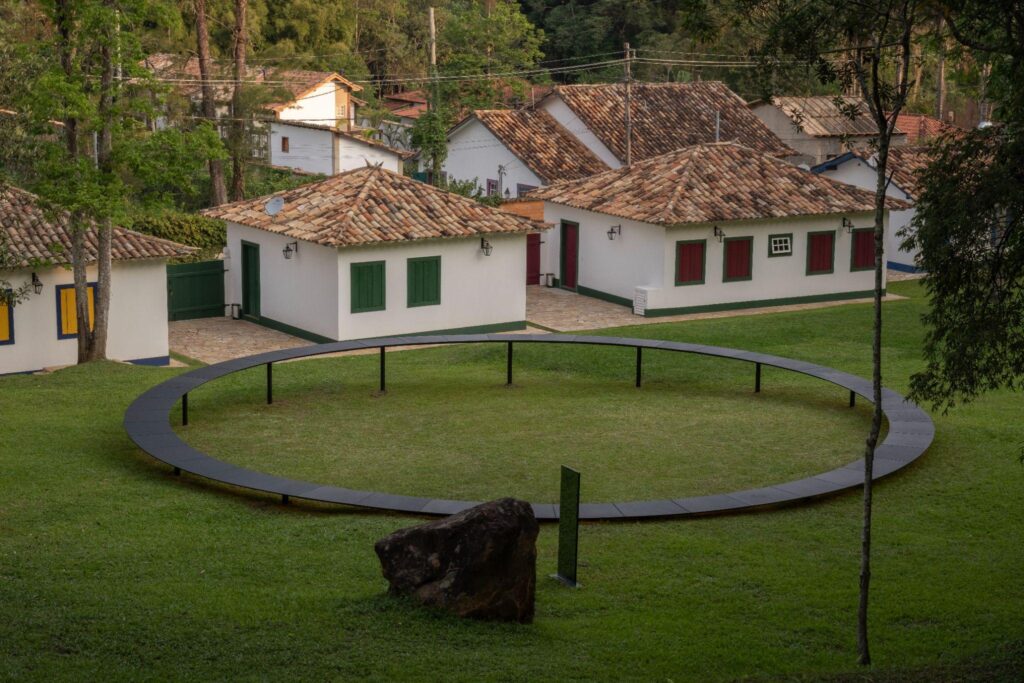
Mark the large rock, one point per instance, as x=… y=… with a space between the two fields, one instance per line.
x=479 y=563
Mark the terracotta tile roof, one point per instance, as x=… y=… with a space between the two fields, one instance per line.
x=905 y=163
x=33 y=234
x=413 y=112
x=710 y=183
x=820 y=117
x=920 y=128
x=668 y=116
x=371 y=205
x=401 y=99
x=540 y=142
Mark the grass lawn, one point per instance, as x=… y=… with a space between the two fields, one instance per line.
x=110 y=567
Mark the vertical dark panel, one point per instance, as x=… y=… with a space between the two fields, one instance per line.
x=569 y=526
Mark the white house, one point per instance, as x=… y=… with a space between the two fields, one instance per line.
x=664 y=117
x=327 y=150
x=710 y=227
x=817 y=128
x=371 y=253
x=511 y=152
x=904 y=163
x=40 y=332
x=322 y=98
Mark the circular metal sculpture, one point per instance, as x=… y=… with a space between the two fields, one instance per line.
x=147 y=422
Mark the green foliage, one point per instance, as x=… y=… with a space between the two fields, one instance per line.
x=430 y=135
x=208 y=234
x=262 y=180
x=969 y=227
x=168 y=168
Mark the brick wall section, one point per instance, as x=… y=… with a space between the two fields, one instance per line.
x=530 y=208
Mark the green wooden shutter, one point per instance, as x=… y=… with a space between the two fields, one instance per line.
x=368 y=286
x=424 y=281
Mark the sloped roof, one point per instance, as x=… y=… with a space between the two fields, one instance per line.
x=540 y=142
x=710 y=183
x=301 y=83
x=31 y=233
x=920 y=127
x=905 y=163
x=820 y=116
x=371 y=205
x=348 y=135
x=668 y=116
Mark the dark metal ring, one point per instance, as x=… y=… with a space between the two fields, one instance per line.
x=147 y=422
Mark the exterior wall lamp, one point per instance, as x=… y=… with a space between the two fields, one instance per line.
x=485 y=246
x=613 y=231
x=719 y=234
x=290 y=250
x=848 y=224
x=37 y=284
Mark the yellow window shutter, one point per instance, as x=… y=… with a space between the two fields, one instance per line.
x=5 y=322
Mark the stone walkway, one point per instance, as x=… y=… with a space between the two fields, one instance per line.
x=563 y=311
x=212 y=340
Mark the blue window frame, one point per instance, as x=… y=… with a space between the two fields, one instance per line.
x=67 y=317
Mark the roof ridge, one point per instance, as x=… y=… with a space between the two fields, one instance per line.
x=689 y=158
x=360 y=197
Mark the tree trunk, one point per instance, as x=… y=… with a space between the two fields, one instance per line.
x=79 y=260
x=940 y=76
x=218 y=190
x=874 y=91
x=97 y=346
x=237 y=108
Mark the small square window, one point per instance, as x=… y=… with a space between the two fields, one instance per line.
x=780 y=245
x=492 y=187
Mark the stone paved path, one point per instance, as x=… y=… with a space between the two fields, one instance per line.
x=563 y=311
x=212 y=340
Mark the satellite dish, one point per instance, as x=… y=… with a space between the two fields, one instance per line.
x=274 y=206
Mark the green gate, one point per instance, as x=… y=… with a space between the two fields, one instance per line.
x=195 y=290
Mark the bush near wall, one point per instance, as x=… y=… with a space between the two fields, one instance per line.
x=208 y=234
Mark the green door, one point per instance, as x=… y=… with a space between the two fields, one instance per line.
x=250 y=280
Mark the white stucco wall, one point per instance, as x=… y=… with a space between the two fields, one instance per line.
x=138 y=318
x=618 y=266
x=561 y=112
x=301 y=292
x=308 y=149
x=780 y=277
x=475 y=289
x=859 y=173
x=353 y=154
x=644 y=255
x=474 y=152
x=317 y=107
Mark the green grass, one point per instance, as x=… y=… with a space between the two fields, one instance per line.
x=111 y=567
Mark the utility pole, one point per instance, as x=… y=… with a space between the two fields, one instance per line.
x=433 y=43
x=940 y=77
x=629 y=118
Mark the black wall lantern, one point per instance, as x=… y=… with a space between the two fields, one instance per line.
x=485 y=246
x=290 y=250
x=613 y=231
x=718 y=233
x=37 y=284
x=848 y=224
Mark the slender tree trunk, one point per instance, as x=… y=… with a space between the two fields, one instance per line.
x=218 y=190
x=65 y=21
x=940 y=76
x=874 y=90
x=97 y=347
x=237 y=109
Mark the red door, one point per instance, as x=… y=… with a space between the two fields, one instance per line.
x=533 y=259
x=570 y=254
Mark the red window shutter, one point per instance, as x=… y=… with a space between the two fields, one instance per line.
x=690 y=262
x=864 y=249
x=820 y=258
x=284 y=144
x=737 y=259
